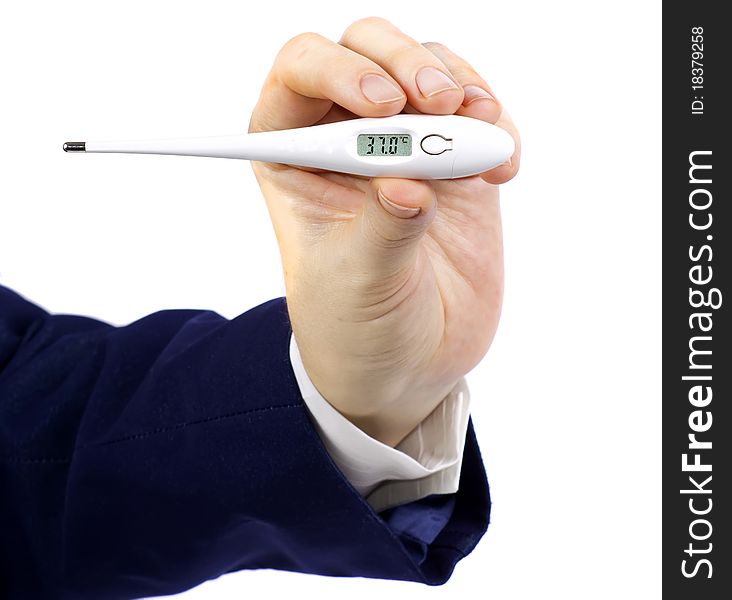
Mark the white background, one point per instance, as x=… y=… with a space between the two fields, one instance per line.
x=567 y=402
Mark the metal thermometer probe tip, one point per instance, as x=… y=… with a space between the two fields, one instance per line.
x=75 y=147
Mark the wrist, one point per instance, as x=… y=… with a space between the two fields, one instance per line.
x=385 y=406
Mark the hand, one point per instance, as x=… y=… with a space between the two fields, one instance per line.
x=394 y=286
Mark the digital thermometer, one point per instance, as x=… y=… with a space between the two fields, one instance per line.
x=411 y=146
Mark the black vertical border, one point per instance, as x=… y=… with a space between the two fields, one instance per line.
x=683 y=133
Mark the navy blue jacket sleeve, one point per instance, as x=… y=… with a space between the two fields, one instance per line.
x=146 y=459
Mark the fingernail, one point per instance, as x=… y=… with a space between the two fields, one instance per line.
x=403 y=212
x=379 y=89
x=473 y=93
x=431 y=81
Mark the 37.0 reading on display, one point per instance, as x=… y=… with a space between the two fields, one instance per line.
x=388 y=144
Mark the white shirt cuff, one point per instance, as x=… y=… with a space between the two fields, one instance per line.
x=425 y=462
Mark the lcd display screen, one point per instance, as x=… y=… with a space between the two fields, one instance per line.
x=384 y=144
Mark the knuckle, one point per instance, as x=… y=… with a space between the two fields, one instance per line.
x=366 y=23
x=436 y=47
x=406 y=52
x=465 y=71
x=295 y=49
x=302 y=41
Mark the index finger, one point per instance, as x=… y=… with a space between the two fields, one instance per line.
x=311 y=73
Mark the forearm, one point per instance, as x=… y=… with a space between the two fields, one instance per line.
x=143 y=460
x=125 y=449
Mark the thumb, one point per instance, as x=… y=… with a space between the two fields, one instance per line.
x=394 y=217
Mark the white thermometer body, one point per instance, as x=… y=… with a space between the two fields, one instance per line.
x=411 y=146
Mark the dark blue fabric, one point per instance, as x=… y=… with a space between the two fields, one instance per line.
x=146 y=459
